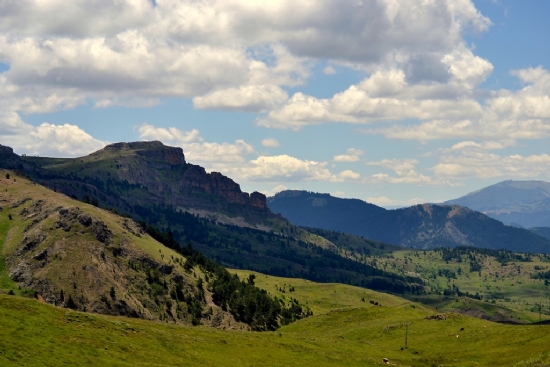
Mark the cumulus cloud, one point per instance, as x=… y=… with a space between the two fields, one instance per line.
x=233 y=55
x=387 y=95
x=485 y=165
x=196 y=150
x=170 y=135
x=504 y=115
x=346 y=176
x=46 y=139
x=404 y=170
x=274 y=190
x=352 y=156
x=271 y=143
x=286 y=169
x=245 y=98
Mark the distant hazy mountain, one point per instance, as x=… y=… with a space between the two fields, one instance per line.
x=420 y=226
x=517 y=203
x=541 y=231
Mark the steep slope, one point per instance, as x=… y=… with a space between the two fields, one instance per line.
x=75 y=255
x=519 y=203
x=421 y=226
x=152 y=183
x=78 y=256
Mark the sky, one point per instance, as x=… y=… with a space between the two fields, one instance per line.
x=392 y=102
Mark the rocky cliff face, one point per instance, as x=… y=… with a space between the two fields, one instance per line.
x=219 y=185
x=8 y=159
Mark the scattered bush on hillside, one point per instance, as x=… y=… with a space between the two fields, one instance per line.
x=246 y=302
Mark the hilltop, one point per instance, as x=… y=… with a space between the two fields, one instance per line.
x=425 y=226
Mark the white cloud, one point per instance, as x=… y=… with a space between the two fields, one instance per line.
x=195 y=149
x=346 y=176
x=223 y=54
x=404 y=172
x=386 y=95
x=352 y=156
x=478 y=164
x=504 y=115
x=245 y=98
x=46 y=139
x=381 y=200
x=345 y=158
x=285 y=168
x=487 y=145
x=271 y=143
x=170 y=135
x=275 y=190
x=329 y=70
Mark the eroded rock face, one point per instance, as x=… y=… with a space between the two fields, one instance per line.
x=184 y=190
x=102 y=233
x=71 y=216
x=21 y=273
x=31 y=241
x=219 y=185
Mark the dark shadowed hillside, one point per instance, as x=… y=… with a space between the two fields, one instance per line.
x=420 y=226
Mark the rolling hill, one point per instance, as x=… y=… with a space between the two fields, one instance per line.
x=424 y=226
x=351 y=326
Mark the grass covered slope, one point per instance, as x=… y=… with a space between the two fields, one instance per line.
x=75 y=255
x=353 y=333
x=513 y=287
x=78 y=256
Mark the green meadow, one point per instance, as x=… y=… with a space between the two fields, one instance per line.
x=344 y=331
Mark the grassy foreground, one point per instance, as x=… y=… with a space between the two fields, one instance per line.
x=340 y=334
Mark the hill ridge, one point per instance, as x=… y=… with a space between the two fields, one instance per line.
x=423 y=226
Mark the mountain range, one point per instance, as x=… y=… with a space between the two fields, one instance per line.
x=519 y=203
x=425 y=226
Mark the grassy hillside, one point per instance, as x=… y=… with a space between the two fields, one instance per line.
x=344 y=331
x=75 y=255
x=514 y=283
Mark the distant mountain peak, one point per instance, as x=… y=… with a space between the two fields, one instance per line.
x=519 y=203
x=419 y=226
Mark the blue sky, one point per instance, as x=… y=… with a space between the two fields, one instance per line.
x=393 y=102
